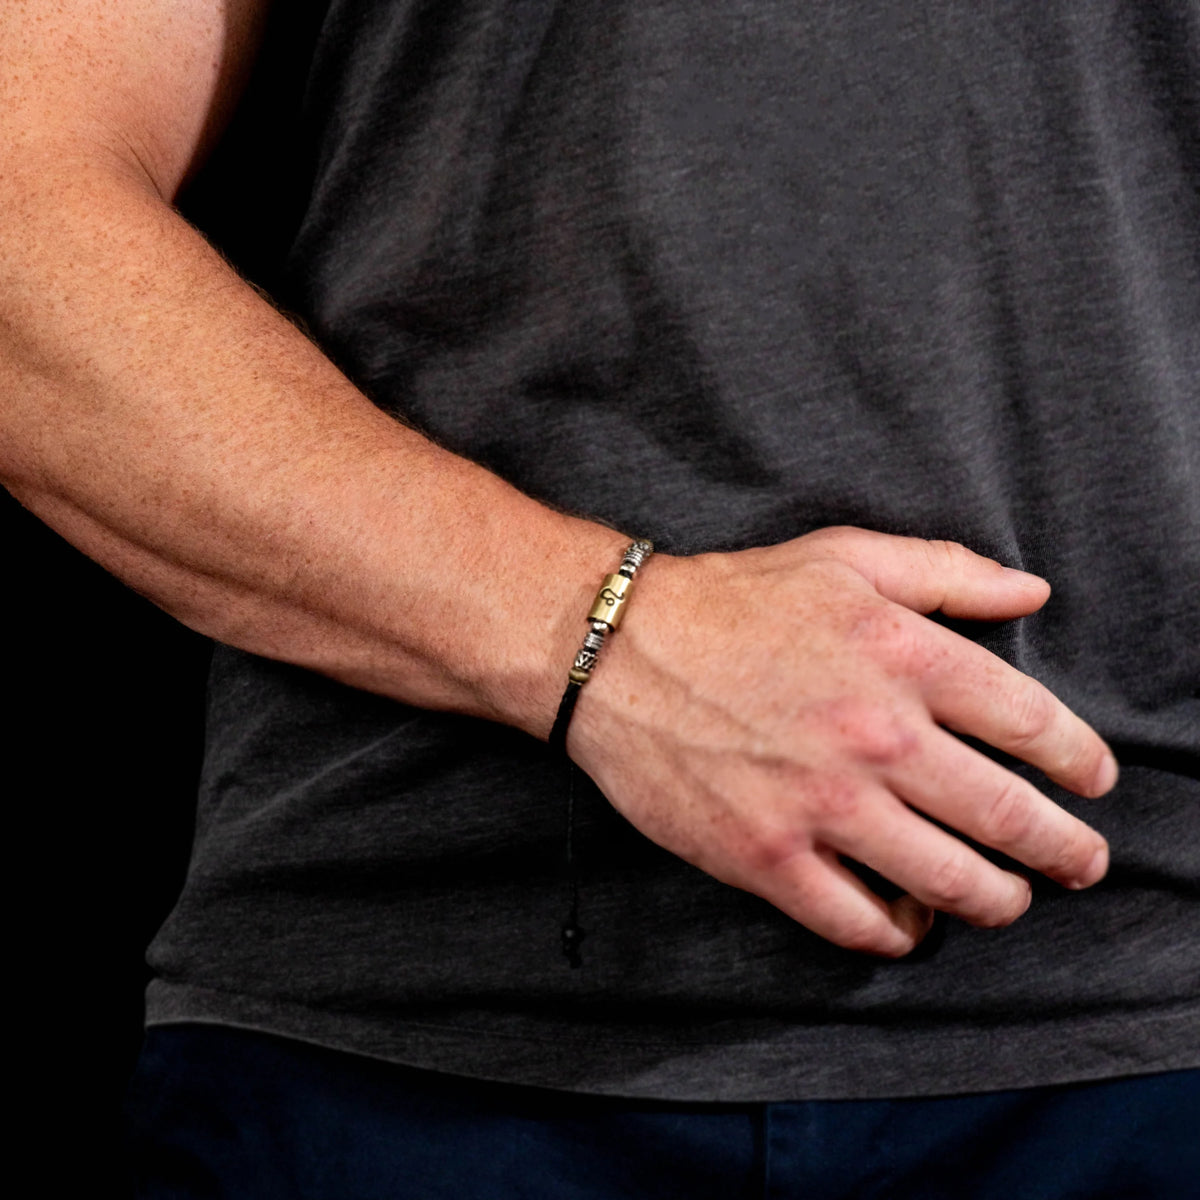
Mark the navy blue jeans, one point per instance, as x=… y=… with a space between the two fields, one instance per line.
x=224 y=1113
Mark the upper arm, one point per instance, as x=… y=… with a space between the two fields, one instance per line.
x=150 y=81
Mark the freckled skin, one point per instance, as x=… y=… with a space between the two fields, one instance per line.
x=163 y=417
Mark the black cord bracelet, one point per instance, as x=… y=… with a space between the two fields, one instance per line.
x=604 y=617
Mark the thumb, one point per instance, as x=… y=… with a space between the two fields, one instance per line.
x=928 y=576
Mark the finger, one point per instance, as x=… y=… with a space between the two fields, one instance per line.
x=820 y=893
x=973 y=692
x=928 y=576
x=967 y=791
x=938 y=870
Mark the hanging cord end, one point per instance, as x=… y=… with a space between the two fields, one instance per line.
x=572 y=935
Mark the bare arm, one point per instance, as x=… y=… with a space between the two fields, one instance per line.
x=164 y=418
x=169 y=422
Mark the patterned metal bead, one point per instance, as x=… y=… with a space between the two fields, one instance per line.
x=585 y=660
x=635 y=556
x=593 y=639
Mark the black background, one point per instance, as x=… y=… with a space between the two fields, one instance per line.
x=103 y=740
x=104 y=732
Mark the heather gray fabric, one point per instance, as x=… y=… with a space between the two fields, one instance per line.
x=719 y=273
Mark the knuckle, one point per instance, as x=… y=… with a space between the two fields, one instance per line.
x=872 y=733
x=886 y=742
x=944 y=556
x=950 y=883
x=765 y=849
x=833 y=805
x=831 y=537
x=1031 y=709
x=832 y=802
x=1009 y=816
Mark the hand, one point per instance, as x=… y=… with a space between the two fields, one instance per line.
x=763 y=713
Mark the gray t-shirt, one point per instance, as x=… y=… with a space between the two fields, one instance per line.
x=720 y=273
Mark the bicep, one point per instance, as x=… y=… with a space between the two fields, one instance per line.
x=150 y=81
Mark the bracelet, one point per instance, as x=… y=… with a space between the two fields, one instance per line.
x=605 y=616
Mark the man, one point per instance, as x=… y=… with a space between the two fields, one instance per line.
x=868 y=325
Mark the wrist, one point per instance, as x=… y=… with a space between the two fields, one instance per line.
x=542 y=622
x=603 y=618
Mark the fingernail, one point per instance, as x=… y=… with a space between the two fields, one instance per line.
x=1026 y=577
x=1107 y=778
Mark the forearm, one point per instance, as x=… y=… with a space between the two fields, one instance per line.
x=169 y=422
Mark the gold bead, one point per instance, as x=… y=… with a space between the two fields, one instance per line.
x=610 y=600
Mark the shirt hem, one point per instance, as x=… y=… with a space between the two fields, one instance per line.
x=834 y=1062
